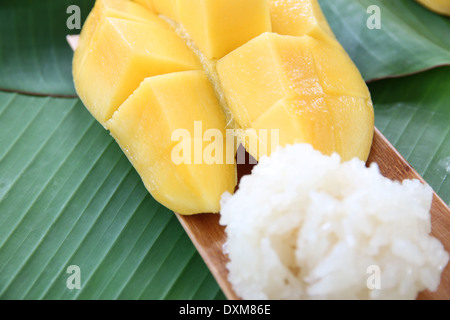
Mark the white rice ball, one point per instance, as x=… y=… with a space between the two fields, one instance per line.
x=306 y=226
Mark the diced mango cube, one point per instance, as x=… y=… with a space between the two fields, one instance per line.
x=296 y=121
x=144 y=126
x=220 y=26
x=352 y=119
x=304 y=74
x=122 y=9
x=298 y=18
x=337 y=72
x=111 y=73
x=265 y=70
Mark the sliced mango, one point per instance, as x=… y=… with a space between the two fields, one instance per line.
x=263 y=71
x=298 y=18
x=160 y=107
x=141 y=49
x=108 y=8
x=220 y=26
x=304 y=73
x=169 y=77
x=301 y=123
x=352 y=120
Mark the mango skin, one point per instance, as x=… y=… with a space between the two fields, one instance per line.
x=438 y=6
x=142 y=125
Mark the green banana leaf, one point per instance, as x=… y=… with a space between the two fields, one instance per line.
x=410 y=38
x=68 y=195
x=34 y=56
x=414 y=114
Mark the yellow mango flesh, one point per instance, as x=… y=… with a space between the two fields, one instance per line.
x=306 y=74
x=167 y=8
x=220 y=26
x=300 y=124
x=146 y=3
x=139 y=75
x=112 y=9
x=141 y=50
x=438 y=6
x=298 y=18
x=158 y=108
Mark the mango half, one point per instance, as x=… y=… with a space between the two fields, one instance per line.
x=177 y=81
x=153 y=113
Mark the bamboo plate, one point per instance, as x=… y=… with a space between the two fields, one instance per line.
x=209 y=237
x=392 y=165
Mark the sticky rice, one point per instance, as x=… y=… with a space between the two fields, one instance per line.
x=307 y=226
